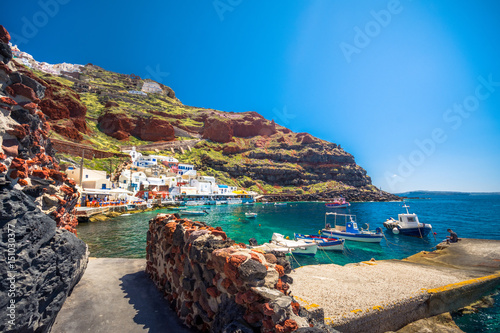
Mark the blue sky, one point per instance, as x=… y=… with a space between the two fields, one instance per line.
x=408 y=87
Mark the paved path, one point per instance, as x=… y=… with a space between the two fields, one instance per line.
x=115 y=295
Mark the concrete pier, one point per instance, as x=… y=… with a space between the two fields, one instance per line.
x=114 y=296
x=380 y=296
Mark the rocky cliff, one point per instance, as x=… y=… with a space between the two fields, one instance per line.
x=108 y=111
x=40 y=257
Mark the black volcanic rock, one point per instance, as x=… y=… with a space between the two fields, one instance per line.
x=44 y=266
x=5 y=53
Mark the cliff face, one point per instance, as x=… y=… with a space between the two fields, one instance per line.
x=41 y=258
x=108 y=110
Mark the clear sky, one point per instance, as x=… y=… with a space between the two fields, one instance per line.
x=410 y=88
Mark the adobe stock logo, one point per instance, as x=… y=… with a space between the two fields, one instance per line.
x=373 y=28
x=223 y=6
x=453 y=116
x=31 y=26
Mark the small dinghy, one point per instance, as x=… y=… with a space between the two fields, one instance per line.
x=251 y=215
x=408 y=224
x=337 y=203
x=280 y=203
x=324 y=243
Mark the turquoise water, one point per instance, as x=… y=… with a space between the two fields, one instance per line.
x=469 y=215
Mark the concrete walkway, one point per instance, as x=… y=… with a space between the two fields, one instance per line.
x=379 y=296
x=115 y=295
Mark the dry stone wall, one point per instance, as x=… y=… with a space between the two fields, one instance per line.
x=215 y=285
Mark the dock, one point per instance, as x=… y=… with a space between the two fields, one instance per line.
x=380 y=296
x=115 y=295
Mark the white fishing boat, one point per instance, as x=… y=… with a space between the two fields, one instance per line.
x=193 y=212
x=280 y=204
x=251 y=215
x=346 y=227
x=299 y=247
x=408 y=224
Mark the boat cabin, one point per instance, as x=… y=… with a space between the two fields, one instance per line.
x=408 y=219
x=343 y=223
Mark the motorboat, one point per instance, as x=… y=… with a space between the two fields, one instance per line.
x=299 y=247
x=337 y=203
x=408 y=224
x=280 y=203
x=324 y=243
x=251 y=215
x=193 y=212
x=234 y=201
x=346 y=227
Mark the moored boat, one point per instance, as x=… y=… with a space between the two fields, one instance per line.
x=280 y=204
x=299 y=247
x=337 y=203
x=348 y=229
x=408 y=224
x=196 y=203
x=251 y=215
x=324 y=243
x=193 y=212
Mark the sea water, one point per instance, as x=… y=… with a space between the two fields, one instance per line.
x=469 y=215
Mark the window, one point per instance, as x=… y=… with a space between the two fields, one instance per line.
x=86 y=176
x=411 y=219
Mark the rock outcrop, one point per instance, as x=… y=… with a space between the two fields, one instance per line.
x=41 y=259
x=215 y=285
x=40 y=264
x=120 y=126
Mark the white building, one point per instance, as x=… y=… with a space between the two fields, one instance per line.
x=151 y=87
x=91 y=179
x=183 y=168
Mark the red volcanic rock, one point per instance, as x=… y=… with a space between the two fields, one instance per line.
x=75 y=107
x=305 y=138
x=18 y=174
x=67 y=190
x=254 y=256
x=8 y=100
x=236 y=260
x=24 y=90
x=3 y=168
x=219 y=233
x=153 y=129
x=253 y=317
x=22 y=182
x=68 y=131
x=19 y=131
x=253 y=124
x=10 y=91
x=213 y=291
x=57 y=175
x=11 y=147
x=4 y=35
x=290 y=325
x=40 y=174
x=4 y=68
x=53 y=109
x=116 y=125
x=231 y=149
x=295 y=308
x=218 y=130
x=80 y=124
x=110 y=104
x=19 y=164
x=280 y=270
x=3 y=156
x=267 y=309
x=29 y=106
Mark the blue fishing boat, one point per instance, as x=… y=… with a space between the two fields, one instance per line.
x=345 y=227
x=408 y=224
x=324 y=243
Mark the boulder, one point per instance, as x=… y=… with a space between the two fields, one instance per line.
x=5 y=53
x=48 y=262
x=37 y=87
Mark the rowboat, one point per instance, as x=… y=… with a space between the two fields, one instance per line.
x=324 y=243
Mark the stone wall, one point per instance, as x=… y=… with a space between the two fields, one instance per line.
x=215 y=285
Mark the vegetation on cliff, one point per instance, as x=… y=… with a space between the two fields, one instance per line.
x=242 y=149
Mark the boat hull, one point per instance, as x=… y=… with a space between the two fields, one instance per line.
x=323 y=243
x=366 y=238
x=337 y=206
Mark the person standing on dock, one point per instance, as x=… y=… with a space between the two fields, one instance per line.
x=453 y=237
